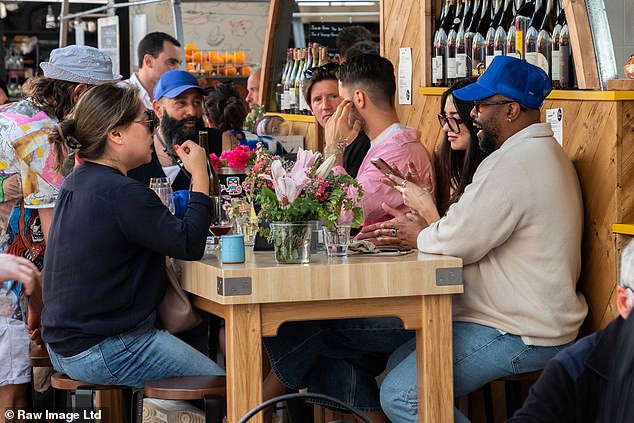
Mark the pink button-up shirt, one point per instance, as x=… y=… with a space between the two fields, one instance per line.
x=397 y=145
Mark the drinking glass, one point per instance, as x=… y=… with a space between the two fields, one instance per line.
x=337 y=240
x=220 y=222
x=247 y=226
x=163 y=189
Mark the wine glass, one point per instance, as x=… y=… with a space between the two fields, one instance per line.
x=221 y=223
x=163 y=189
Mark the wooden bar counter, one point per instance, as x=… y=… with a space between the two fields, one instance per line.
x=257 y=297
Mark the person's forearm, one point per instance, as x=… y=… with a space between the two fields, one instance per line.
x=200 y=182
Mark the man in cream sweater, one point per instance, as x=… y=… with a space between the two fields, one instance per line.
x=518 y=229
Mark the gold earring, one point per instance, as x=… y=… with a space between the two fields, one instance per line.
x=508 y=120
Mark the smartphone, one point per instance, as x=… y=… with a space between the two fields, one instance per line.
x=382 y=165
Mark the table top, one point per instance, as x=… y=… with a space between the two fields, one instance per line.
x=261 y=280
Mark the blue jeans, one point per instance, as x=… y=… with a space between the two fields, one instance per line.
x=481 y=355
x=339 y=358
x=136 y=357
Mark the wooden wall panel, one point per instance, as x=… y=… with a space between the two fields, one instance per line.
x=590 y=140
x=307 y=130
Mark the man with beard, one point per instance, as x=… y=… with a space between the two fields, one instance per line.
x=368 y=86
x=517 y=228
x=178 y=105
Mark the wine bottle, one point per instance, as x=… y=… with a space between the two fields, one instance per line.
x=522 y=21
x=461 y=47
x=511 y=35
x=499 y=42
x=497 y=11
x=214 y=182
x=555 y=48
x=439 y=61
x=298 y=78
x=565 y=81
x=530 y=41
x=470 y=33
x=452 y=38
x=478 y=48
x=544 y=39
x=287 y=68
x=303 y=105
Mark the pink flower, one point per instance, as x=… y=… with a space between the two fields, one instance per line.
x=338 y=170
x=352 y=192
x=215 y=161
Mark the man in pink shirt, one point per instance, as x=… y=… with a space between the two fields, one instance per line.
x=368 y=86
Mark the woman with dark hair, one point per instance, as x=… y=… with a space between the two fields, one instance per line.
x=114 y=231
x=458 y=157
x=226 y=111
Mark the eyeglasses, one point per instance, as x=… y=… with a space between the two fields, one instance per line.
x=151 y=122
x=479 y=103
x=452 y=122
x=328 y=67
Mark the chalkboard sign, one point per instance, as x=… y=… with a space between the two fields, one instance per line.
x=325 y=33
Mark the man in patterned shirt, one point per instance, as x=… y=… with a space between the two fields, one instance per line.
x=28 y=189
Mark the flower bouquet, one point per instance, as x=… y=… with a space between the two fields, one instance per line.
x=238 y=158
x=290 y=195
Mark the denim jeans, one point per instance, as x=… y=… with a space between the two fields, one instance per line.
x=339 y=358
x=135 y=357
x=481 y=355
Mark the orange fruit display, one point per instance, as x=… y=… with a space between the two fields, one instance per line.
x=227 y=58
x=245 y=70
x=213 y=56
x=190 y=48
x=240 y=56
x=198 y=56
x=230 y=70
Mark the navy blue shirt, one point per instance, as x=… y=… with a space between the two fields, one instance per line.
x=105 y=261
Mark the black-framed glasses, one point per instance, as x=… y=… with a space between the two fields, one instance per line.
x=452 y=122
x=328 y=67
x=151 y=120
x=478 y=103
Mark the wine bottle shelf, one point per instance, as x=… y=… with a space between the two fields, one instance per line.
x=294 y=118
x=560 y=94
x=623 y=228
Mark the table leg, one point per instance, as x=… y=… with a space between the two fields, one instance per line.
x=244 y=361
x=434 y=361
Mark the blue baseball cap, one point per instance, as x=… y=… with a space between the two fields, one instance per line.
x=513 y=78
x=175 y=82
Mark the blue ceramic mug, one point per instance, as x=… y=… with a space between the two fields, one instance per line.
x=232 y=249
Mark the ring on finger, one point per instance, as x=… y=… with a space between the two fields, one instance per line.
x=403 y=183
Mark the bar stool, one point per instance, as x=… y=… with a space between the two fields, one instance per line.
x=513 y=393
x=512 y=390
x=83 y=396
x=211 y=389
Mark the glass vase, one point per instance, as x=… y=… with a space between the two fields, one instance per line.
x=291 y=242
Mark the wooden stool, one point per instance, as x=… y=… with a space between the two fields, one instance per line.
x=479 y=404
x=211 y=389
x=40 y=358
x=83 y=395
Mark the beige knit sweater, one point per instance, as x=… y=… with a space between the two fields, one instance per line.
x=518 y=229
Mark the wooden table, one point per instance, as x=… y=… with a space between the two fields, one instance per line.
x=255 y=298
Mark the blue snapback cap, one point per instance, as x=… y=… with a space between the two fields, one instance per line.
x=513 y=78
x=174 y=82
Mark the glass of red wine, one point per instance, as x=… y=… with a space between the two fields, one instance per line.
x=221 y=224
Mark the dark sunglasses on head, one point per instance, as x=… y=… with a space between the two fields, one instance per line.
x=328 y=67
x=452 y=122
x=151 y=121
